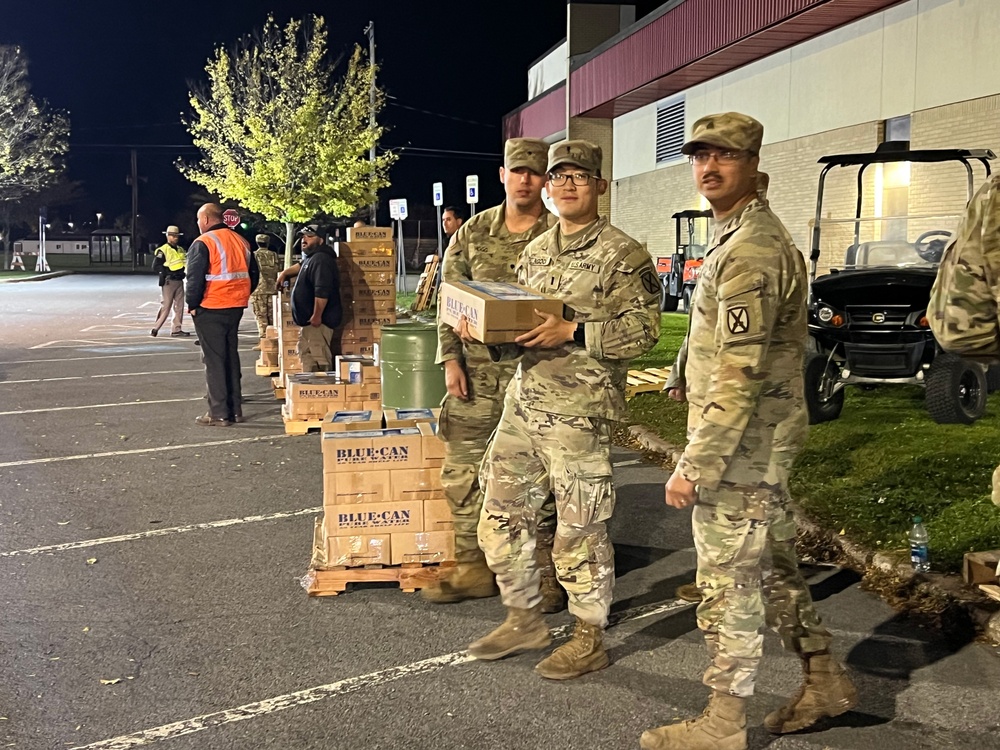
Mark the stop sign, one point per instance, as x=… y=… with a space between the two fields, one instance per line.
x=231 y=217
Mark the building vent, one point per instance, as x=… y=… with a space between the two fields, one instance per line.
x=669 y=130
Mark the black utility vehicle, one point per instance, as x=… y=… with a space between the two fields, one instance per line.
x=868 y=317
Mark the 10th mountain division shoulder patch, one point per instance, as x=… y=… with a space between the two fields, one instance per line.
x=650 y=282
x=738 y=319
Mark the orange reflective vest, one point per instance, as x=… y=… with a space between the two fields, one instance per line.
x=227 y=283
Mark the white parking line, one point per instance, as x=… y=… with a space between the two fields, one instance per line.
x=629 y=462
x=341 y=687
x=109 y=375
x=159 y=532
x=137 y=451
x=100 y=406
x=171 y=353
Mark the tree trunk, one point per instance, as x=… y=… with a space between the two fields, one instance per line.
x=289 y=241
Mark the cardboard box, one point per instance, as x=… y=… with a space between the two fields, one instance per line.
x=433 y=463
x=353 y=551
x=431 y=443
x=269 y=344
x=347 y=420
x=372 y=450
x=369 y=234
x=353 y=279
x=357 y=369
x=354 y=307
x=312 y=395
x=269 y=359
x=363 y=392
x=438 y=515
x=373 y=518
x=374 y=319
x=368 y=292
x=364 y=248
x=415 y=484
x=980 y=567
x=422 y=547
x=367 y=264
x=497 y=312
x=353 y=487
x=410 y=417
x=358 y=336
x=271 y=333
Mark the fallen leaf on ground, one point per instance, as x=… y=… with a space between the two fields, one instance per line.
x=111 y=682
x=91 y=560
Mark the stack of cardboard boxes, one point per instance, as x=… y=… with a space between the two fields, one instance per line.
x=354 y=386
x=367 y=288
x=288 y=335
x=382 y=497
x=269 y=350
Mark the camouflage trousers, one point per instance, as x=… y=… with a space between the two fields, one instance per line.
x=262 y=312
x=748 y=571
x=532 y=454
x=315 y=348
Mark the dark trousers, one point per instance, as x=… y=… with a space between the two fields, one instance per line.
x=217 y=331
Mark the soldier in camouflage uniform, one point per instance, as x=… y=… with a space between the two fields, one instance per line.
x=555 y=431
x=746 y=422
x=485 y=249
x=269 y=265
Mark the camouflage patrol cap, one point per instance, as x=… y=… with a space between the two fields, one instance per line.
x=731 y=130
x=263 y=239
x=525 y=152
x=582 y=154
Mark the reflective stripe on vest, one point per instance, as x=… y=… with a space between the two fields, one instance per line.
x=227 y=283
x=173 y=257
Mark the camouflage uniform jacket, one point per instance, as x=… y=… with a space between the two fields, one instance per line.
x=270 y=266
x=482 y=249
x=610 y=283
x=746 y=341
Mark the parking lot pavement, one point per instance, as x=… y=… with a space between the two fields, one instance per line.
x=150 y=579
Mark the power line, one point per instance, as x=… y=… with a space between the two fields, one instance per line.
x=395 y=103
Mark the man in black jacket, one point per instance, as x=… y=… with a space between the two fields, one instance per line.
x=315 y=300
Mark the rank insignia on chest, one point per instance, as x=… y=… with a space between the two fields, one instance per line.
x=738 y=320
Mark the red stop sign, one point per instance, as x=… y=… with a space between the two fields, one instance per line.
x=230 y=217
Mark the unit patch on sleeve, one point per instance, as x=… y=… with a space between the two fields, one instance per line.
x=650 y=282
x=738 y=320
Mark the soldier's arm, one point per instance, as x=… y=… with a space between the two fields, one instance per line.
x=455 y=267
x=748 y=310
x=633 y=323
x=676 y=378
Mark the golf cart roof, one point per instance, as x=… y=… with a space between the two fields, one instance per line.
x=692 y=213
x=896 y=154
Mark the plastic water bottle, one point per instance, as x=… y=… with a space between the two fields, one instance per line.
x=919 y=555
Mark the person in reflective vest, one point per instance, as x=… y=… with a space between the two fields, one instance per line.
x=222 y=273
x=168 y=262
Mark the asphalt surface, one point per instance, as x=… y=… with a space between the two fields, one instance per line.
x=150 y=585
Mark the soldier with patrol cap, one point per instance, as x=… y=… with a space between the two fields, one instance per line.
x=746 y=422
x=555 y=431
x=269 y=264
x=486 y=248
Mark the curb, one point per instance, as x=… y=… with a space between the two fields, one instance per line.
x=39 y=277
x=944 y=596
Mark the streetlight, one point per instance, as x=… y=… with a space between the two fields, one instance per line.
x=99 y=217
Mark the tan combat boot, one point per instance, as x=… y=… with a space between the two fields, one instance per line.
x=553 y=595
x=689 y=592
x=722 y=726
x=582 y=653
x=468 y=581
x=826 y=691
x=523 y=630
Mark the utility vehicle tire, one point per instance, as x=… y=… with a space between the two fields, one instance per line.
x=820 y=376
x=668 y=302
x=956 y=390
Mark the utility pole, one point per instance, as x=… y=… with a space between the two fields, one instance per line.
x=370 y=31
x=134 y=182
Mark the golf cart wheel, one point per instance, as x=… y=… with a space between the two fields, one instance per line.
x=956 y=390
x=823 y=403
x=668 y=302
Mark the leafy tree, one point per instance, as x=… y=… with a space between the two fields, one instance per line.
x=33 y=137
x=281 y=135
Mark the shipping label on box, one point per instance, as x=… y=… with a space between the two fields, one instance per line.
x=363 y=392
x=353 y=487
x=358 y=350
x=373 y=518
x=497 y=312
x=357 y=550
x=433 y=445
x=438 y=515
x=410 y=417
x=422 y=547
x=372 y=450
x=357 y=369
x=346 y=420
x=369 y=234
x=415 y=484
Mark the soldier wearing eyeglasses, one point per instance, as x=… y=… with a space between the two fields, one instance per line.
x=555 y=430
x=746 y=422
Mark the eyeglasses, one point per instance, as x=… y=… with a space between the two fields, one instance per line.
x=722 y=157
x=558 y=179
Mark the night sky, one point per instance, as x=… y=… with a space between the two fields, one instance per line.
x=122 y=68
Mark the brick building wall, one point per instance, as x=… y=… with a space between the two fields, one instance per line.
x=598 y=131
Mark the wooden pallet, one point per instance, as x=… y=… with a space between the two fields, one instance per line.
x=645 y=381
x=427 y=285
x=266 y=371
x=278 y=384
x=409 y=576
x=300 y=426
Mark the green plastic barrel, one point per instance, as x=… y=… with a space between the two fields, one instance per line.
x=410 y=379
